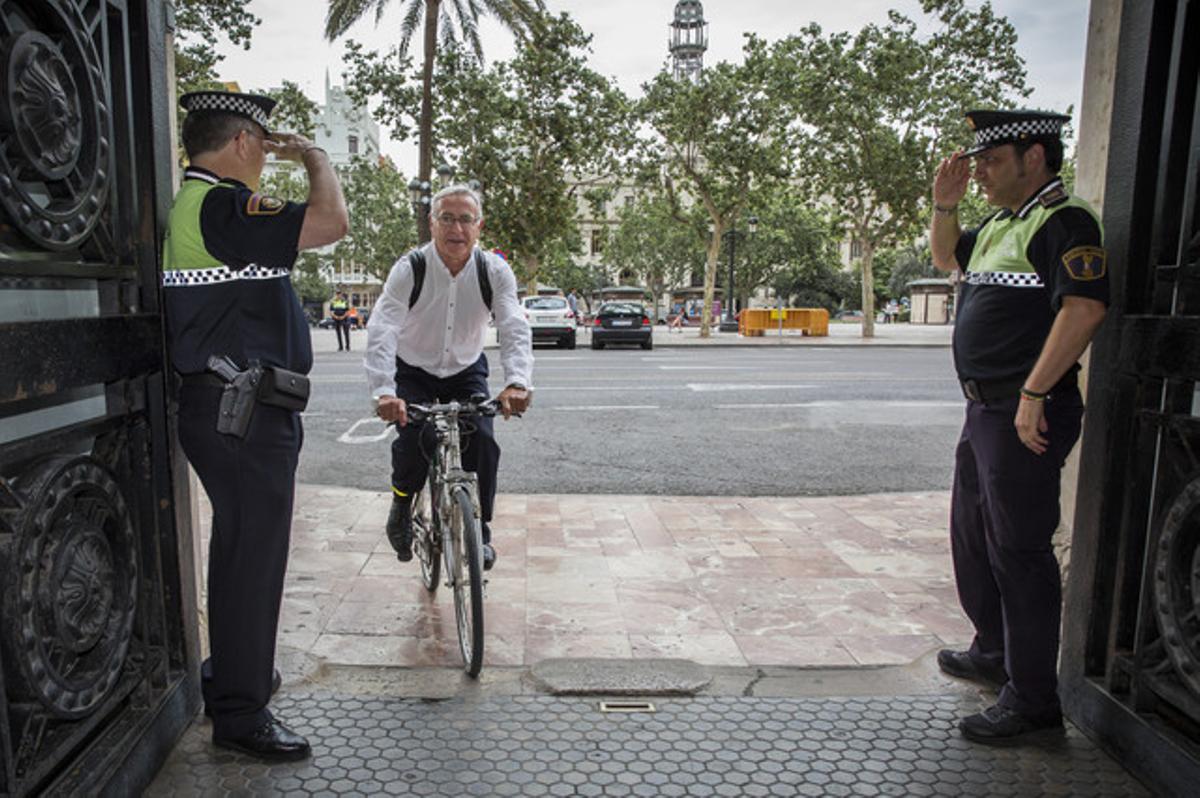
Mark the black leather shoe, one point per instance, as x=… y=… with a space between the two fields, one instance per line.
x=489 y=556
x=276 y=682
x=999 y=725
x=964 y=666
x=272 y=741
x=399 y=528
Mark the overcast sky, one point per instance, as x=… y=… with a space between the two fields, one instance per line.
x=630 y=40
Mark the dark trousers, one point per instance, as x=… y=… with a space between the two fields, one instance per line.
x=343 y=332
x=1004 y=512
x=416 y=443
x=251 y=483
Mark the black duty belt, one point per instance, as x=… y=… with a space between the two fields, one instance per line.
x=992 y=391
x=206 y=379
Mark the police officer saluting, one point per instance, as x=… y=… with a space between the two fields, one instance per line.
x=238 y=337
x=1035 y=290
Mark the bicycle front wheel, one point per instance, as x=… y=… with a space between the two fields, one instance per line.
x=465 y=561
x=427 y=537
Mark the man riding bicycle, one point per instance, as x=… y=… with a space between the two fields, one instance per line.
x=425 y=344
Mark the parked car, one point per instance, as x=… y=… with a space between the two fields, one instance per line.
x=622 y=323
x=326 y=323
x=848 y=315
x=550 y=319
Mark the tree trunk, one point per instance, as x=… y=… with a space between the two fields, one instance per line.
x=868 y=290
x=533 y=265
x=425 y=140
x=710 y=279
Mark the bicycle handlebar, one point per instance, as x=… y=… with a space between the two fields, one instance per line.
x=488 y=407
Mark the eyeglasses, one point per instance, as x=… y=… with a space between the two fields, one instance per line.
x=449 y=219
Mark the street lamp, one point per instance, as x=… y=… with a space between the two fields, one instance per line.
x=421 y=192
x=729 y=323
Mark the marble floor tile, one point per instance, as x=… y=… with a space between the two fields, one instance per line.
x=539 y=647
x=707 y=648
x=803 y=651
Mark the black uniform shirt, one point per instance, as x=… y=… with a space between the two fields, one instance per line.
x=1051 y=248
x=226 y=277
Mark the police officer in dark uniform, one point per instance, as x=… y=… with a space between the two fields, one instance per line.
x=339 y=308
x=237 y=336
x=1035 y=288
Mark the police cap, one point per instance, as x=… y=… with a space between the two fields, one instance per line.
x=994 y=128
x=254 y=107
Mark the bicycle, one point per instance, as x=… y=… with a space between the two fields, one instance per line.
x=446 y=522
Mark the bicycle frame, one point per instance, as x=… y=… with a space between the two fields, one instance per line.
x=448 y=473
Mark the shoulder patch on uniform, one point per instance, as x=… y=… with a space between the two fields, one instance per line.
x=1085 y=263
x=1053 y=197
x=263 y=205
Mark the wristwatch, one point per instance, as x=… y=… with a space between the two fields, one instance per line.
x=516 y=385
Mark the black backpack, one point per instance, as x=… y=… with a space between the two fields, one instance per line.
x=417 y=259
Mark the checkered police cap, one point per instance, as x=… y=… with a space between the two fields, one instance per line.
x=254 y=107
x=993 y=128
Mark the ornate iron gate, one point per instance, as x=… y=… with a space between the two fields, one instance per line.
x=97 y=616
x=1132 y=670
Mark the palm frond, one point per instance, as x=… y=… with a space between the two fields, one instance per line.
x=344 y=13
x=468 y=22
x=446 y=31
x=412 y=19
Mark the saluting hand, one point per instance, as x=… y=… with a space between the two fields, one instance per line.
x=1031 y=425
x=950 y=182
x=288 y=146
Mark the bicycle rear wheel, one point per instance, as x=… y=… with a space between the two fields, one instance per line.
x=427 y=539
x=465 y=560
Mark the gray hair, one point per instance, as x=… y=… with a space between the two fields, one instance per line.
x=458 y=189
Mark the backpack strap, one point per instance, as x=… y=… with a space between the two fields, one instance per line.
x=485 y=282
x=416 y=260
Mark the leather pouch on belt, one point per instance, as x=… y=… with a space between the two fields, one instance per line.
x=286 y=389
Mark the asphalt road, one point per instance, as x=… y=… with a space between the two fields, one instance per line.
x=688 y=421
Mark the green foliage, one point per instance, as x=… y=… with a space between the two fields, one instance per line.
x=199 y=23
x=896 y=268
x=882 y=106
x=307 y=280
x=295 y=112
x=662 y=250
x=381 y=223
x=535 y=132
x=793 y=246
x=715 y=141
x=443 y=24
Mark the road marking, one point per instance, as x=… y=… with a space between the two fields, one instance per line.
x=736 y=386
x=607 y=407
x=845 y=404
x=349 y=437
x=708 y=368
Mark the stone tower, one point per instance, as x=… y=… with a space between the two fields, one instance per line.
x=688 y=39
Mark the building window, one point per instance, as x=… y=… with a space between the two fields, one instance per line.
x=354 y=145
x=628 y=200
x=597 y=241
x=855 y=248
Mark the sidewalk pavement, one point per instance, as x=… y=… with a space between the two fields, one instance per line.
x=840 y=334
x=722 y=581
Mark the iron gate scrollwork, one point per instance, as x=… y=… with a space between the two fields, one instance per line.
x=1131 y=673
x=98 y=643
x=72 y=577
x=54 y=173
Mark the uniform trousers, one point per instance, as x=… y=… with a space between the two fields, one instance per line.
x=1004 y=512
x=342 y=326
x=251 y=484
x=416 y=443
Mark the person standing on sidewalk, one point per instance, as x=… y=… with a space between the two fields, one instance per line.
x=425 y=344
x=339 y=308
x=1035 y=291
x=227 y=293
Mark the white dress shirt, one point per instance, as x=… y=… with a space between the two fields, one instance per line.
x=443 y=332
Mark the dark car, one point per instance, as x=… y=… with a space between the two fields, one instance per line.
x=622 y=323
x=326 y=323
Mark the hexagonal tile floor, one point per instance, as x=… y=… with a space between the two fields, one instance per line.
x=706 y=746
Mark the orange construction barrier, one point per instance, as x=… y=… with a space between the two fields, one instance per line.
x=755 y=322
